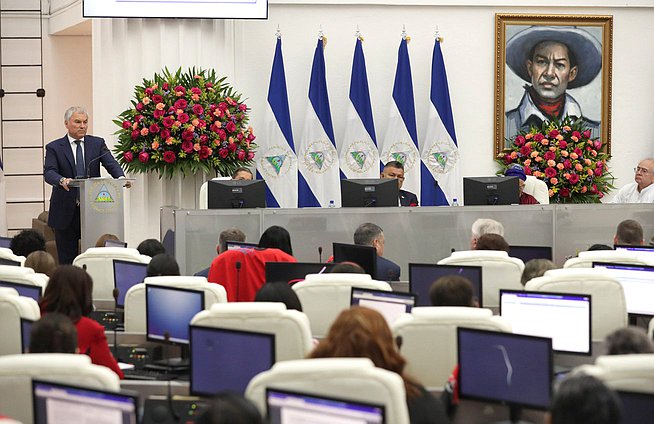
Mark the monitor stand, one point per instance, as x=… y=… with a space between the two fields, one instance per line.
x=173 y=364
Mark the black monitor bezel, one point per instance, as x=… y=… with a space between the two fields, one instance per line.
x=590 y=315
x=471 y=267
x=634 y=314
x=373 y=271
x=354 y=192
x=9 y=262
x=550 y=364
x=505 y=194
x=275 y=269
x=28 y=286
x=532 y=247
x=172 y=288
x=271 y=336
x=114 y=261
x=408 y=295
x=222 y=194
x=23 y=336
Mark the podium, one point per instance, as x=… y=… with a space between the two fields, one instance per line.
x=101 y=208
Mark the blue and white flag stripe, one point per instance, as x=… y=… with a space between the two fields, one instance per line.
x=319 y=181
x=277 y=163
x=401 y=140
x=358 y=151
x=439 y=150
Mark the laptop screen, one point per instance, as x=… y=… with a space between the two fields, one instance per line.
x=637 y=282
x=390 y=304
x=225 y=359
x=422 y=276
x=527 y=253
x=26 y=290
x=56 y=403
x=563 y=317
x=126 y=275
x=291 y=407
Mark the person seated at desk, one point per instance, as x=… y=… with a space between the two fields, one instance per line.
x=161 y=265
x=642 y=189
x=369 y=234
x=453 y=290
x=230 y=234
x=627 y=341
x=230 y=408
x=516 y=170
x=584 y=399
x=492 y=242
x=151 y=247
x=53 y=333
x=242 y=174
x=484 y=226
x=26 y=242
x=395 y=169
x=629 y=232
x=69 y=292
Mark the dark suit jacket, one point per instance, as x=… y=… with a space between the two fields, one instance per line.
x=60 y=162
x=387 y=270
x=408 y=199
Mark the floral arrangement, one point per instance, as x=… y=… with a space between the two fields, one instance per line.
x=185 y=122
x=563 y=154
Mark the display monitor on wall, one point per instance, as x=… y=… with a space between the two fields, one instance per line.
x=367 y=192
x=202 y=9
x=491 y=191
x=236 y=194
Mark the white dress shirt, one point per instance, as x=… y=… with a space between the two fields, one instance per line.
x=630 y=194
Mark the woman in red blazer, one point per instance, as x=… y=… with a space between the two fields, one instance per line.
x=69 y=292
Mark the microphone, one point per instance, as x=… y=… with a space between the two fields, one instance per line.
x=88 y=167
x=319 y=253
x=238 y=273
x=115 y=294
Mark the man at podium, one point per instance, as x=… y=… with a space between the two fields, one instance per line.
x=75 y=155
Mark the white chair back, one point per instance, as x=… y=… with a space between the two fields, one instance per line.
x=608 y=309
x=203 y=199
x=350 y=378
x=429 y=341
x=135 y=297
x=100 y=266
x=12 y=308
x=634 y=372
x=324 y=296
x=537 y=188
x=291 y=328
x=17 y=371
x=7 y=253
x=586 y=259
x=499 y=271
x=17 y=274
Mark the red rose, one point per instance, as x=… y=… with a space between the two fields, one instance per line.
x=201 y=124
x=567 y=164
x=519 y=141
x=549 y=155
x=158 y=113
x=222 y=134
x=208 y=84
x=563 y=144
x=168 y=121
x=187 y=146
x=205 y=152
x=138 y=118
x=564 y=192
x=198 y=109
x=196 y=90
x=187 y=135
x=598 y=172
x=222 y=106
x=144 y=157
x=223 y=152
x=553 y=133
x=241 y=154
x=128 y=156
x=231 y=127
x=578 y=151
x=598 y=144
x=135 y=134
x=525 y=150
x=127 y=124
x=239 y=136
x=154 y=128
x=157 y=99
x=180 y=88
x=242 y=107
x=214 y=127
x=251 y=156
x=574 y=178
x=204 y=139
x=169 y=157
x=180 y=104
x=233 y=147
x=139 y=106
x=149 y=91
x=587 y=133
x=164 y=134
x=550 y=172
x=538 y=137
x=507 y=159
x=165 y=86
x=183 y=118
x=593 y=189
x=576 y=134
x=251 y=137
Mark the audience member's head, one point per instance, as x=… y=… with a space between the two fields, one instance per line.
x=452 y=290
x=242 y=174
x=536 y=268
x=628 y=340
x=230 y=234
x=53 y=333
x=151 y=247
x=629 y=232
x=103 y=238
x=161 y=265
x=492 y=242
x=484 y=226
x=276 y=237
x=26 y=242
x=230 y=408
x=70 y=292
x=369 y=234
x=347 y=268
x=279 y=291
x=584 y=399
x=599 y=246
x=41 y=261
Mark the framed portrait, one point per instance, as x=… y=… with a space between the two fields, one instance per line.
x=552 y=66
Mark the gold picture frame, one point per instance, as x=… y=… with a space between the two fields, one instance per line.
x=586 y=89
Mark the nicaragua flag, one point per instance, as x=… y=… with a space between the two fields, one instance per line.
x=358 y=152
x=439 y=151
x=277 y=163
x=401 y=140
x=319 y=181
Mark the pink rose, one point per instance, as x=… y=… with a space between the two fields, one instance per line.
x=598 y=144
x=128 y=156
x=578 y=151
x=139 y=106
x=149 y=91
x=126 y=124
x=251 y=156
x=204 y=139
x=169 y=157
x=233 y=147
x=567 y=164
x=222 y=106
x=241 y=154
x=598 y=172
x=196 y=90
x=242 y=107
x=187 y=146
x=144 y=157
x=587 y=133
x=165 y=86
x=576 y=134
x=180 y=89
x=574 y=178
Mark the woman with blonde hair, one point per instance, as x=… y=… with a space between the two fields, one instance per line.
x=363 y=333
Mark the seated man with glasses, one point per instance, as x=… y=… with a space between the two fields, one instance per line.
x=642 y=190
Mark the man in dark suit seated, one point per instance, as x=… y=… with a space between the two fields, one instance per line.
x=395 y=169
x=370 y=234
x=76 y=154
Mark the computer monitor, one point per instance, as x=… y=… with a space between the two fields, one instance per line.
x=233 y=245
x=168 y=312
x=388 y=303
x=369 y=192
x=422 y=276
x=289 y=407
x=641 y=250
x=365 y=256
x=55 y=403
x=126 y=275
x=491 y=191
x=25 y=332
x=637 y=408
x=511 y=369
x=563 y=317
x=26 y=290
x=5 y=242
x=227 y=359
x=294 y=271
x=236 y=194
x=527 y=253
x=115 y=243
x=4 y=261
x=637 y=282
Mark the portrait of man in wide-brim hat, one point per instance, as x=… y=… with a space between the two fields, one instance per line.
x=552 y=60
